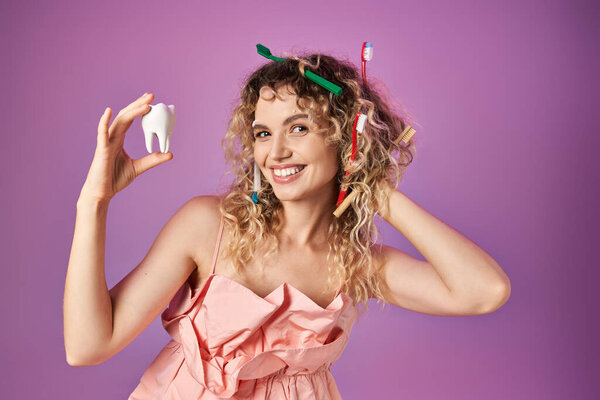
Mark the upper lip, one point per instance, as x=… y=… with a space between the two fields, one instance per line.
x=282 y=166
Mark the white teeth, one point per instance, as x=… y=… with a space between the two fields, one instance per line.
x=159 y=122
x=287 y=171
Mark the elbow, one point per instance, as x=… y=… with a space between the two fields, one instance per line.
x=502 y=294
x=79 y=354
x=82 y=361
x=75 y=362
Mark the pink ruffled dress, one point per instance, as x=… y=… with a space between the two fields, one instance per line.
x=229 y=343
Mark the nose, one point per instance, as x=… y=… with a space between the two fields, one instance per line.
x=279 y=148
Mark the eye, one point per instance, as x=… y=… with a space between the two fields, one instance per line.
x=300 y=126
x=259 y=134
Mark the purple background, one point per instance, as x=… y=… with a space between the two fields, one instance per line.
x=503 y=92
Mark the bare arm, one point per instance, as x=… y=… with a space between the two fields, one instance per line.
x=87 y=309
x=458 y=278
x=99 y=323
x=87 y=305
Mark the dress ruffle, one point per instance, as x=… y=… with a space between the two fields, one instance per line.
x=229 y=342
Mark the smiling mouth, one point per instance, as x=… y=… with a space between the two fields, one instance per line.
x=288 y=171
x=290 y=177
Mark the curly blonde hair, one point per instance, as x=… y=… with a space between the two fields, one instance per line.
x=380 y=162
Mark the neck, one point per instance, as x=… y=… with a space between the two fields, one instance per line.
x=306 y=221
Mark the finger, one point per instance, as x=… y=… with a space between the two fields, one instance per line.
x=146 y=111
x=123 y=122
x=144 y=99
x=150 y=161
x=103 y=126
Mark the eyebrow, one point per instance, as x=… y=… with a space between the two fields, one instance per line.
x=287 y=121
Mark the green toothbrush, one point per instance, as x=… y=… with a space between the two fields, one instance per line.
x=332 y=87
x=265 y=52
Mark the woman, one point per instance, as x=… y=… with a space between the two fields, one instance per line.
x=263 y=292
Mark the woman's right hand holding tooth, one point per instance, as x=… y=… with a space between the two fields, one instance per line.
x=112 y=169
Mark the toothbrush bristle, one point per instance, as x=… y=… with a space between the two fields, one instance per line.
x=406 y=135
x=368 y=51
x=360 y=125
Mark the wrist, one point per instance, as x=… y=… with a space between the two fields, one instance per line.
x=89 y=200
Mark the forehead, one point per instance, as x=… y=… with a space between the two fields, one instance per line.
x=268 y=98
x=275 y=109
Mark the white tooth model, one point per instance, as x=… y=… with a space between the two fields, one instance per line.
x=159 y=121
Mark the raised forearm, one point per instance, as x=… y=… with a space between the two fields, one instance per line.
x=87 y=308
x=467 y=270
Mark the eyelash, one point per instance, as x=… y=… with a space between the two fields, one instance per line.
x=295 y=126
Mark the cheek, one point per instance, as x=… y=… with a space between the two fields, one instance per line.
x=332 y=156
x=330 y=160
x=259 y=153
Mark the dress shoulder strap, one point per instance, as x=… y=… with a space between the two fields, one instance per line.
x=214 y=261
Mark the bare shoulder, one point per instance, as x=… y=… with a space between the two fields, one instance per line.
x=204 y=208
x=378 y=254
x=204 y=220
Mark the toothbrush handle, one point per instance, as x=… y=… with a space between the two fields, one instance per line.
x=323 y=82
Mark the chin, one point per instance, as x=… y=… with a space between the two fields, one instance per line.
x=297 y=195
x=287 y=196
